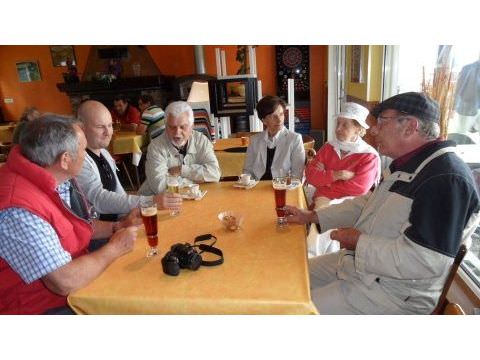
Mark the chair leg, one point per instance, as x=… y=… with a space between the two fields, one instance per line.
x=128 y=176
x=137 y=177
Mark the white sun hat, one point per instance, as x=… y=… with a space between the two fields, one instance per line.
x=351 y=110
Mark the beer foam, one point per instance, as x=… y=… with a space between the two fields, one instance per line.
x=280 y=186
x=149 y=211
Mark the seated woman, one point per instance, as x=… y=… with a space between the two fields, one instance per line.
x=276 y=151
x=346 y=166
x=30 y=113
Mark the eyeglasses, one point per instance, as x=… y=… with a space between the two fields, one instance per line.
x=275 y=115
x=381 y=120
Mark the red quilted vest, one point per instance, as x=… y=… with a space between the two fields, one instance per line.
x=26 y=185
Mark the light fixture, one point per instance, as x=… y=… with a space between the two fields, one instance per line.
x=198 y=93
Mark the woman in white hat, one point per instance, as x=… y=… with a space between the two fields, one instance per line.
x=346 y=166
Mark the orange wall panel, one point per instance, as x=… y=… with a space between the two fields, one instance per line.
x=35 y=93
x=318 y=85
x=175 y=60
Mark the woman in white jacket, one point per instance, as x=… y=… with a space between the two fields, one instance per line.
x=276 y=151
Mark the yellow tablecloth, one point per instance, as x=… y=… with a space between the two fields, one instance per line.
x=265 y=269
x=231 y=164
x=126 y=142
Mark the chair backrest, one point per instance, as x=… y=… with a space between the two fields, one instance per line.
x=442 y=300
x=453 y=309
x=309 y=155
x=204 y=126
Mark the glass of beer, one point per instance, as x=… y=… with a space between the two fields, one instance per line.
x=173 y=183
x=280 y=189
x=148 y=209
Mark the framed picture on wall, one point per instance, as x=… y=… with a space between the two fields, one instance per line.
x=61 y=54
x=356 y=66
x=28 y=71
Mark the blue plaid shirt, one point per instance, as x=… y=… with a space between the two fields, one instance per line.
x=29 y=244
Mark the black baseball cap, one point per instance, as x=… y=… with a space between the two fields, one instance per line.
x=411 y=103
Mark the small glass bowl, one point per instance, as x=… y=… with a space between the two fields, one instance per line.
x=231 y=220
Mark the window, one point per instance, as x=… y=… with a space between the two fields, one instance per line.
x=406 y=68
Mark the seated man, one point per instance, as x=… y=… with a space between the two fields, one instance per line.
x=179 y=151
x=45 y=227
x=98 y=178
x=127 y=115
x=398 y=243
x=153 y=118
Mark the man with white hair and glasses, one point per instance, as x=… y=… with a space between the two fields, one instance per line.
x=397 y=245
x=179 y=151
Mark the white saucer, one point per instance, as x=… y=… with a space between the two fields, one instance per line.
x=194 y=197
x=294 y=184
x=251 y=184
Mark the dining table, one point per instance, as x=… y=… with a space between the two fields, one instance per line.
x=265 y=269
x=126 y=142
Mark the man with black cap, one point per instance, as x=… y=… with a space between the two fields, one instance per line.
x=398 y=243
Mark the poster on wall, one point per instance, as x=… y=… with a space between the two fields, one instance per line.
x=62 y=55
x=293 y=62
x=28 y=71
x=356 y=66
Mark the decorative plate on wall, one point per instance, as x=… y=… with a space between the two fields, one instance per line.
x=293 y=62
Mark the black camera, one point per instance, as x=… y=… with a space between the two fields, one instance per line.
x=181 y=256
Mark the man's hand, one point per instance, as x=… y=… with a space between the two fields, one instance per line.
x=299 y=216
x=170 y=201
x=348 y=237
x=132 y=219
x=175 y=171
x=123 y=240
x=343 y=175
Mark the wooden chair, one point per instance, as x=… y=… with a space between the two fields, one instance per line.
x=120 y=162
x=442 y=300
x=309 y=155
x=453 y=309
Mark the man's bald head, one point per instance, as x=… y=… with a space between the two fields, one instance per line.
x=91 y=109
x=97 y=122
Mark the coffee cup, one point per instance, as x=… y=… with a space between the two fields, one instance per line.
x=194 y=190
x=244 y=179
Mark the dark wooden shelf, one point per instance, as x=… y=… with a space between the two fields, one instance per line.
x=161 y=82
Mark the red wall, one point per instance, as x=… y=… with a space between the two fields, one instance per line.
x=171 y=60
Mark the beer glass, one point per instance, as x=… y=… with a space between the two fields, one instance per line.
x=148 y=209
x=173 y=183
x=280 y=189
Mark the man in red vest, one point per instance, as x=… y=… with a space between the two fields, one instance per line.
x=45 y=222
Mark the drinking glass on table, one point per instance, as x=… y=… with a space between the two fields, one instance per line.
x=173 y=183
x=280 y=190
x=148 y=210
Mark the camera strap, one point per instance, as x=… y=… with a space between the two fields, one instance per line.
x=210 y=249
